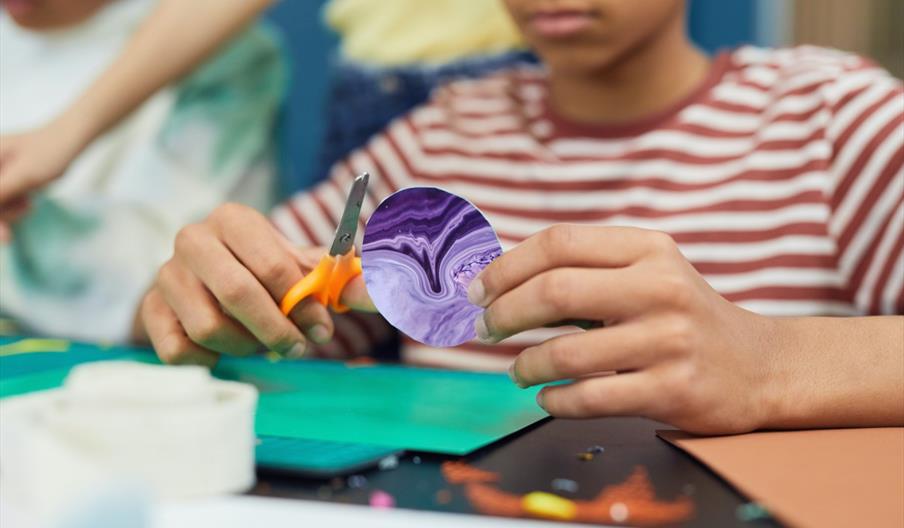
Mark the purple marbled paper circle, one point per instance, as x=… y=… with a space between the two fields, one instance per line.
x=422 y=246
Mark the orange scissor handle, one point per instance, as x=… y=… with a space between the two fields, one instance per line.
x=324 y=283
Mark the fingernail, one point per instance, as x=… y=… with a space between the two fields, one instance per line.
x=540 y=399
x=320 y=334
x=513 y=376
x=297 y=351
x=477 y=293
x=480 y=328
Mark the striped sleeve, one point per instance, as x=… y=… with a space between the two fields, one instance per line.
x=867 y=186
x=309 y=218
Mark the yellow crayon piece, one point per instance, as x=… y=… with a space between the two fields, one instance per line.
x=548 y=506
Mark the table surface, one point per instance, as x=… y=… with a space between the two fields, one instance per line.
x=531 y=459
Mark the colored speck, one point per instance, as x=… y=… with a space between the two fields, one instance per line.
x=443 y=496
x=390 y=462
x=751 y=512
x=381 y=499
x=619 y=512
x=356 y=481
x=548 y=506
x=563 y=484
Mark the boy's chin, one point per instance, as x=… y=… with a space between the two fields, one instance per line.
x=578 y=63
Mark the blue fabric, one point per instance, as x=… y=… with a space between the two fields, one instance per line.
x=362 y=99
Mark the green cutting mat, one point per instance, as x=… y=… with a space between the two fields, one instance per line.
x=386 y=405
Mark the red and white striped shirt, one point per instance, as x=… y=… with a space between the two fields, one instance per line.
x=780 y=178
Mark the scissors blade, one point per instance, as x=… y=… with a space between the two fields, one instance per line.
x=348 y=225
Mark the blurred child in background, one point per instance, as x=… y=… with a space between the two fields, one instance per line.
x=90 y=200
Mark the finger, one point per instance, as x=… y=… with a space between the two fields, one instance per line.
x=355 y=296
x=167 y=336
x=560 y=246
x=15 y=209
x=617 y=348
x=630 y=394
x=14 y=184
x=262 y=250
x=307 y=257
x=237 y=290
x=7 y=144
x=563 y=293
x=200 y=314
x=6 y=234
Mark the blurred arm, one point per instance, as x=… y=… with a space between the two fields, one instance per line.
x=175 y=38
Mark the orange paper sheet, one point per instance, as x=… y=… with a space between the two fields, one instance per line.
x=819 y=478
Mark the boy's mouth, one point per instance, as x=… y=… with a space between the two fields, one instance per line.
x=561 y=23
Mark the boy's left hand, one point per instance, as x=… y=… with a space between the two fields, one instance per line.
x=683 y=354
x=28 y=162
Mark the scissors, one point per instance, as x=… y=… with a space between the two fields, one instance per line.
x=326 y=281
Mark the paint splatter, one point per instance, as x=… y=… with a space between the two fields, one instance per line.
x=422 y=247
x=462 y=473
x=632 y=501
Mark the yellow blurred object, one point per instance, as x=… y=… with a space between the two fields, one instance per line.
x=431 y=31
x=548 y=506
x=33 y=345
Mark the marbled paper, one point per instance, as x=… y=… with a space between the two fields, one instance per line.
x=422 y=247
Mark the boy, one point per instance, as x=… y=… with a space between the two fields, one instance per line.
x=769 y=184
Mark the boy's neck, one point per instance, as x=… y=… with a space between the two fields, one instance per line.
x=652 y=78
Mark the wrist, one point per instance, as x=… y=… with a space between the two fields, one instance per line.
x=76 y=128
x=776 y=400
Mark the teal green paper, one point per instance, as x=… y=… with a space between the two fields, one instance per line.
x=399 y=407
x=441 y=411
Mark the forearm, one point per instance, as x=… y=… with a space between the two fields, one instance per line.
x=175 y=38
x=837 y=372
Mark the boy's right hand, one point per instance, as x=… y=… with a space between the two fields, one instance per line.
x=220 y=292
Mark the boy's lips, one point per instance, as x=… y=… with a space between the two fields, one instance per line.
x=558 y=24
